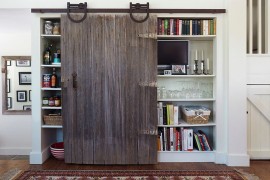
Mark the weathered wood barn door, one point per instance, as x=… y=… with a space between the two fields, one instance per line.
x=109 y=93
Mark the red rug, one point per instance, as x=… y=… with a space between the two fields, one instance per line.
x=128 y=175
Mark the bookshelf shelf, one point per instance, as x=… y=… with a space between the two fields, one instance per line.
x=51 y=89
x=52 y=126
x=186 y=100
x=184 y=124
x=188 y=37
x=51 y=65
x=51 y=107
x=186 y=76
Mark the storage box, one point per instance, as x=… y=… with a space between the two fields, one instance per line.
x=52 y=120
x=195 y=114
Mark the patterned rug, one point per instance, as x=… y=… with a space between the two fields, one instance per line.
x=129 y=175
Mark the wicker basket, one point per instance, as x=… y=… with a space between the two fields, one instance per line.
x=53 y=120
x=195 y=114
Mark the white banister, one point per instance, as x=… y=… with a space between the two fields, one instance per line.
x=250 y=12
x=259 y=26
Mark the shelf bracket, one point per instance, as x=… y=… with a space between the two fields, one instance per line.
x=78 y=8
x=138 y=7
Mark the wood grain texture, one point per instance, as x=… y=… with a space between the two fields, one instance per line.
x=114 y=101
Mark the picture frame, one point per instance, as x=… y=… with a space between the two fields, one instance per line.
x=9 y=102
x=23 y=63
x=27 y=107
x=25 y=78
x=8 y=63
x=179 y=69
x=21 y=96
x=8 y=85
x=167 y=72
x=30 y=95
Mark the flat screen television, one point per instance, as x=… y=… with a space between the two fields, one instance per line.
x=173 y=52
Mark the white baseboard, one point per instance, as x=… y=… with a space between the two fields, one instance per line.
x=15 y=151
x=39 y=157
x=221 y=158
x=259 y=154
x=238 y=160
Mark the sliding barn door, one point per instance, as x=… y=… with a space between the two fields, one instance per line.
x=109 y=93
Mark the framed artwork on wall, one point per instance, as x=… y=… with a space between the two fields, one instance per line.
x=8 y=63
x=27 y=107
x=8 y=85
x=23 y=63
x=25 y=78
x=21 y=96
x=9 y=102
x=30 y=95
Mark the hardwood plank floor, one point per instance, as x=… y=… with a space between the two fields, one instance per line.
x=260 y=168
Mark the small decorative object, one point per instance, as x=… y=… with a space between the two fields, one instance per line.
x=57 y=150
x=27 y=107
x=23 y=63
x=167 y=72
x=195 y=66
x=203 y=70
x=24 y=78
x=21 y=96
x=207 y=66
x=179 y=69
x=48 y=28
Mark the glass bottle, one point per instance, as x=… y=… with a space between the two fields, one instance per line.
x=54 y=79
x=47 y=59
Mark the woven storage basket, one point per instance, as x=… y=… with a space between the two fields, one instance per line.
x=53 y=120
x=195 y=114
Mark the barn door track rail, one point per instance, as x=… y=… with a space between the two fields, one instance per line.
x=133 y=8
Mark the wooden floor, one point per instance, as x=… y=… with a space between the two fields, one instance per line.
x=259 y=168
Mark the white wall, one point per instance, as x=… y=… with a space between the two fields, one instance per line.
x=15 y=35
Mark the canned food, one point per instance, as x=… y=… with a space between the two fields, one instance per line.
x=51 y=101
x=46 y=80
x=45 y=101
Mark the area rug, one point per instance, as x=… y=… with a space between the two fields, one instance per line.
x=129 y=175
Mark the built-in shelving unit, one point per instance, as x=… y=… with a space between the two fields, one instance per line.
x=189 y=89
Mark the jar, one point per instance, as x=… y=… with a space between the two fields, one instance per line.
x=48 y=27
x=51 y=101
x=57 y=101
x=56 y=59
x=56 y=28
x=45 y=101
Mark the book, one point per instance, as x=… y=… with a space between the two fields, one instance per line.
x=190 y=139
x=175 y=114
x=205 y=141
x=160 y=113
x=172 y=144
x=197 y=141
